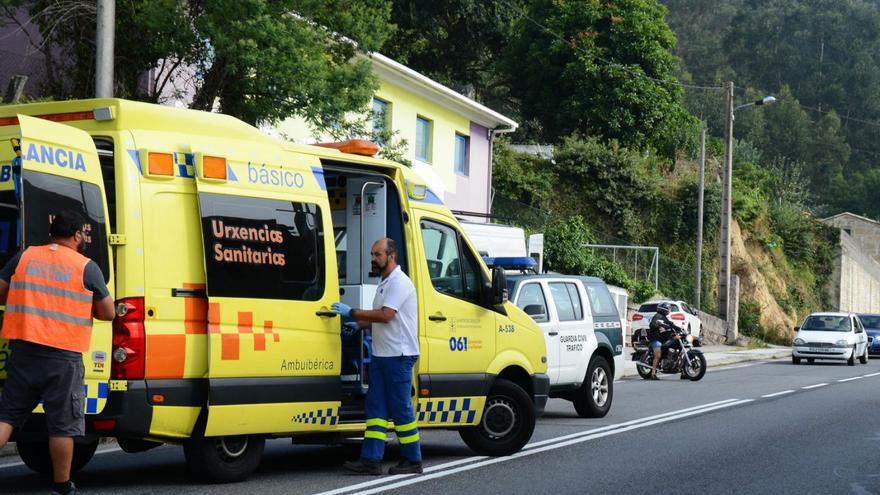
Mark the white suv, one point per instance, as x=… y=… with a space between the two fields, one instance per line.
x=583 y=332
x=680 y=314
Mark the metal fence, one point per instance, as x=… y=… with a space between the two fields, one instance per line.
x=639 y=262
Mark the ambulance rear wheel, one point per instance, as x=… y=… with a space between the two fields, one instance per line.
x=507 y=423
x=35 y=455
x=224 y=459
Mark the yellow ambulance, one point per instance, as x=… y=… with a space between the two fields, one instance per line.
x=224 y=249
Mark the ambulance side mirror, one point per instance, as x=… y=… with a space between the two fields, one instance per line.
x=499 y=286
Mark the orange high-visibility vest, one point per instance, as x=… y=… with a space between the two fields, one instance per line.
x=47 y=302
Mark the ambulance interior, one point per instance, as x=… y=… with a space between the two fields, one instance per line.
x=365 y=207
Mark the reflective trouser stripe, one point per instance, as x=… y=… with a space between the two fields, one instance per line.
x=407 y=433
x=376 y=435
x=408 y=439
x=377 y=422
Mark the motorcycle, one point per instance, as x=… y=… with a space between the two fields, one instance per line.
x=679 y=357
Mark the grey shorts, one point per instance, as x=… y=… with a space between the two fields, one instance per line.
x=58 y=383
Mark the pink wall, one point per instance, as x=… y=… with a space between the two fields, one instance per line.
x=472 y=192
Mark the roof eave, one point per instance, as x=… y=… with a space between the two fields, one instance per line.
x=403 y=76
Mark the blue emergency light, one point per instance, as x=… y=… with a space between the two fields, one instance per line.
x=522 y=263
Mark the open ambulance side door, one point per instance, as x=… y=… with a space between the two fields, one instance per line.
x=274 y=348
x=55 y=169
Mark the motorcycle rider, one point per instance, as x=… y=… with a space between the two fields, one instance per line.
x=660 y=331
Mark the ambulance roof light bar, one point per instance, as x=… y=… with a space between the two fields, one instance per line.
x=521 y=263
x=100 y=114
x=353 y=146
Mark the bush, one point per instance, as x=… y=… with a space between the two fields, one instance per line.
x=564 y=252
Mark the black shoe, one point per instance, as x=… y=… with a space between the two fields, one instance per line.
x=71 y=490
x=406 y=467
x=363 y=466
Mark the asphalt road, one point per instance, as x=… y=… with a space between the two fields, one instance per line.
x=758 y=428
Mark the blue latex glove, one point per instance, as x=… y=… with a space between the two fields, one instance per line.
x=349 y=329
x=342 y=309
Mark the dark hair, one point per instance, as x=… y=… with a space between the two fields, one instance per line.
x=390 y=246
x=66 y=224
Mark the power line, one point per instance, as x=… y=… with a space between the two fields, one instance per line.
x=624 y=68
x=842 y=117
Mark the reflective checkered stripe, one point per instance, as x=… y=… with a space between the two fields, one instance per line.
x=462 y=410
x=327 y=416
x=96 y=395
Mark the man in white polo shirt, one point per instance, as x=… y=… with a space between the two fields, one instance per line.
x=394 y=321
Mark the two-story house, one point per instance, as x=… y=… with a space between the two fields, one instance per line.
x=449 y=136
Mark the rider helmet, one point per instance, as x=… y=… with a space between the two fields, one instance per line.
x=664 y=309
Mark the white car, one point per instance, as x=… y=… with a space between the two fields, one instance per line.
x=680 y=314
x=583 y=333
x=837 y=336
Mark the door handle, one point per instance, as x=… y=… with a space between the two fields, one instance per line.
x=552 y=334
x=326 y=314
x=437 y=318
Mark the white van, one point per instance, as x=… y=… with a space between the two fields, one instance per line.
x=583 y=332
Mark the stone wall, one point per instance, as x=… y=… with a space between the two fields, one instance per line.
x=856 y=278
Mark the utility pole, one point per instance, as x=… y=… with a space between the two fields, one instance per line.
x=698 y=289
x=726 y=205
x=104 y=41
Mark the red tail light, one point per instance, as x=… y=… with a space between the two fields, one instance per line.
x=638 y=317
x=129 y=340
x=104 y=424
x=677 y=316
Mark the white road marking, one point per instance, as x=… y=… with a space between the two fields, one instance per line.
x=440 y=470
x=850 y=379
x=777 y=394
x=814 y=386
x=872 y=374
x=20 y=463
x=524 y=453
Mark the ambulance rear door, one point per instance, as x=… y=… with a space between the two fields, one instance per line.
x=49 y=167
x=274 y=346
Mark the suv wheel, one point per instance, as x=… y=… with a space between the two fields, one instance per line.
x=593 y=398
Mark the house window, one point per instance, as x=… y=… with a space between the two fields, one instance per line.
x=462 y=150
x=381 y=119
x=423 y=139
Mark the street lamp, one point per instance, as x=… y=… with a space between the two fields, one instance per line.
x=724 y=310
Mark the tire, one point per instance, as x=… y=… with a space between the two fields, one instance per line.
x=643 y=372
x=593 y=398
x=696 y=374
x=507 y=423
x=795 y=360
x=35 y=455
x=864 y=358
x=224 y=459
x=852 y=358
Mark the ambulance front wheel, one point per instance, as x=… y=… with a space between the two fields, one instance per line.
x=35 y=455
x=507 y=423
x=224 y=459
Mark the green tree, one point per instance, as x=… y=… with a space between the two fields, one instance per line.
x=259 y=60
x=604 y=69
x=456 y=42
